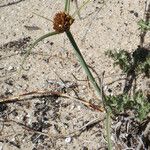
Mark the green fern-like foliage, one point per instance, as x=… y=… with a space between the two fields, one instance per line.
x=138 y=103
x=144 y=25
x=138 y=61
x=121 y=58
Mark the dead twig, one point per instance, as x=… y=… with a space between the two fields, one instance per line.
x=71 y=134
x=88 y=104
x=36 y=94
x=83 y=128
x=11 y=3
x=28 y=96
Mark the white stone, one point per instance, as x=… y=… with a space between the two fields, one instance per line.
x=68 y=140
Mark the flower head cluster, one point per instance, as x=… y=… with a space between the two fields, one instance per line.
x=62 y=22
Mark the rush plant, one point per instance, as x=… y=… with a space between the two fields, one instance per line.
x=61 y=24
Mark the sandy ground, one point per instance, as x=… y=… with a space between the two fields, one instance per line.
x=101 y=27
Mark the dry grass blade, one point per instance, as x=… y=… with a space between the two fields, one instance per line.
x=34 y=44
x=36 y=94
x=50 y=135
x=29 y=96
x=88 y=104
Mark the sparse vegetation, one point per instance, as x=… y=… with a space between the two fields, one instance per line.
x=144 y=25
x=130 y=63
x=62 y=22
x=138 y=61
x=138 y=103
x=133 y=64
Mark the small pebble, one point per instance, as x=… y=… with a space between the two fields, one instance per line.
x=10 y=68
x=57 y=101
x=79 y=107
x=72 y=107
x=45 y=42
x=105 y=88
x=68 y=140
x=84 y=87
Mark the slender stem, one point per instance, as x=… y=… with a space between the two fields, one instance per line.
x=108 y=127
x=66 y=3
x=43 y=17
x=97 y=88
x=35 y=43
x=78 y=10
x=67 y=6
x=83 y=63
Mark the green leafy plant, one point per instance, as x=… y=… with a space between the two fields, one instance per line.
x=121 y=58
x=123 y=102
x=144 y=25
x=138 y=61
x=132 y=64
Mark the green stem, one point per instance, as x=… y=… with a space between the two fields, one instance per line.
x=67 y=6
x=35 y=43
x=78 y=10
x=83 y=63
x=108 y=127
x=43 y=17
x=97 y=88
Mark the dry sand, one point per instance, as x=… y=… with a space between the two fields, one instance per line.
x=102 y=27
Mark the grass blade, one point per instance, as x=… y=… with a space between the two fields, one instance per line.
x=42 y=17
x=67 y=6
x=35 y=43
x=78 y=10
x=108 y=127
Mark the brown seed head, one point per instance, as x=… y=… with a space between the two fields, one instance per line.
x=62 y=22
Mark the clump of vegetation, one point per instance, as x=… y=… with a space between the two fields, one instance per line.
x=61 y=24
x=144 y=25
x=138 y=61
x=132 y=64
x=138 y=103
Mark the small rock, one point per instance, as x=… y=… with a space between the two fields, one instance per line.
x=68 y=140
x=72 y=107
x=10 y=68
x=79 y=107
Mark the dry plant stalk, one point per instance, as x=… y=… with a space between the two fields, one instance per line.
x=36 y=94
